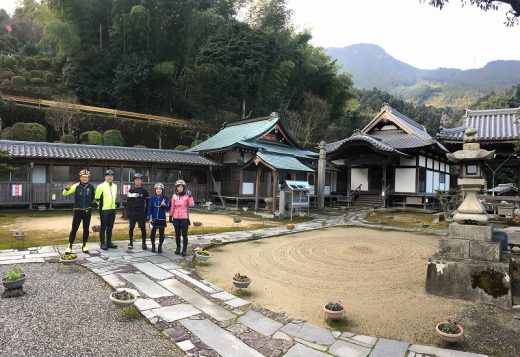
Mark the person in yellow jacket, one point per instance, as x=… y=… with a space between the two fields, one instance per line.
x=106 y=194
x=83 y=197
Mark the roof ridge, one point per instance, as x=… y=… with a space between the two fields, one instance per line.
x=498 y=110
x=247 y=121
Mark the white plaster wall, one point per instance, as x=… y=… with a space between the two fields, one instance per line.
x=359 y=176
x=436 y=182
x=405 y=179
x=429 y=163
x=231 y=157
x=248 y=188
x=422 y=161
x=429 y=181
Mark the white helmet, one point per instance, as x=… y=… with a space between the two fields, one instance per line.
x=158 y=185
x=180 y=182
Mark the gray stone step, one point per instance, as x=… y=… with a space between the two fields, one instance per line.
x=176 y=312
x=309 y=333
x=260 y=323
x=153 y=270
x=222 y=341
x=299 y=350
x=386 y=348
x=346 y=349
x=146 y=285
x=197 y=300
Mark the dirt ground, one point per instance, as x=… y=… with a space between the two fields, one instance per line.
x=62 y=223
x=378 y=275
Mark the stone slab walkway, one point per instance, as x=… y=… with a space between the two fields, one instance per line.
x=204 y=320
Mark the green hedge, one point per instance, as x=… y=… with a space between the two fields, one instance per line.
x=25 y=132
x=18 y=82
x=36 y=73
x=91 y=137
x=49 y=77
x=29 y=63
x=42 y=63
x=37 y=81
x=68 y=139
x=182 y=147
x=112 y=138
x=9 y=61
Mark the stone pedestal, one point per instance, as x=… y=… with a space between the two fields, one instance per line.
x=470 y=266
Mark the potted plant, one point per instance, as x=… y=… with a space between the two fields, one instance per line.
x=450 y=331
x=96 y=228
x=13 y=279
x=216 y=241
x=202 y=255
x=256 y=235
x=334 y=310
x=122 y=298
x=69 y=258
x=241 y=281
x=290 y=226
x=197 y=224
x=323 y=222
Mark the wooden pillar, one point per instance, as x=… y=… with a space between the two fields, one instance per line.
x=275 y=188
x=384 y=193
x=121 y=186
x=257 y=187
x=30 y=184
x=240 y=183
x=51 y=183
x=349 y=179
x=322 y=164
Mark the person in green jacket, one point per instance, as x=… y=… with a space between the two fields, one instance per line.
x=83 y=196
x=106 y=194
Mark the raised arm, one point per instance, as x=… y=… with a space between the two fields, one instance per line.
x=69 y=189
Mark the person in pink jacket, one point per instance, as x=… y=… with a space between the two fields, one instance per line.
x=180 y=215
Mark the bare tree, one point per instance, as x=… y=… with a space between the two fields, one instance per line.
x=310 y=122
x=61 y=117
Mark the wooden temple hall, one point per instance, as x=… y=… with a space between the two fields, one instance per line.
x=258 y=156
x=393 y=160
x=43 y=170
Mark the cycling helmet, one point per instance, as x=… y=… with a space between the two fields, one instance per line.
x=180 y=182
x=109 y=172
x=158 y=185
x=84 y=173
x=138 y=175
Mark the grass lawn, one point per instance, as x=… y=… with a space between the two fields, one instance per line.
x=405 y=219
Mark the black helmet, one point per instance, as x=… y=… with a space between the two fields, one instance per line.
x=109 y=172
x=138 y=175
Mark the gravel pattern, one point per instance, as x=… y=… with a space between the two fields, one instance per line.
x=66 y=312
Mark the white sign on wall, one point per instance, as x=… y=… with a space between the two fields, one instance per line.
x=17 y=190
x=126 y=188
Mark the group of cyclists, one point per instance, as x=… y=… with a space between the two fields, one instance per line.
x=141 y=207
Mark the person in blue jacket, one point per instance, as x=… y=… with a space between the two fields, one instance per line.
x=158 y=205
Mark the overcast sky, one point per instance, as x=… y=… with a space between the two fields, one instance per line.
x=415 y=33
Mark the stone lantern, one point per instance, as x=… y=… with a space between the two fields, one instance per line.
x=471 y=181
x=470 y=263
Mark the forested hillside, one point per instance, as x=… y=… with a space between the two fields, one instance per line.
x=207 y=61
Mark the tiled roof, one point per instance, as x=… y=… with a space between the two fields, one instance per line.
x=283 y=162
x=411 y=125
x=503 y=187
x=29 y=149
x=361 y=138
x=398 y=139
x=491 y=125
x=281 y=149
x=236 y=132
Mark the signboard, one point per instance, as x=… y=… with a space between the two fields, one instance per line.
x=17 y=190
x=126 y=188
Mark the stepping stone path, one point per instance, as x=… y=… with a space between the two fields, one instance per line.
x=204 y=320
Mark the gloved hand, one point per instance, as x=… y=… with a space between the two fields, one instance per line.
x=170 y=219
x=188 y=192
x=147 y=218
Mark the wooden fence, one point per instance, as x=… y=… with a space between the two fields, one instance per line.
x=91 y=109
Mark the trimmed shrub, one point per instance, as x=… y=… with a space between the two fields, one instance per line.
x=9 y=61
x=37 y=81
x=91 y=137
x=68 y=139
x=48 y=77
x=18 y=82
x=182 y=147
x=42 y=63
x=6 y=134
x=112 y=138
x=34 y=132
x=29 y=63
x=196 y=142
x=30 y=49
x=7 y=74
x=36 y=73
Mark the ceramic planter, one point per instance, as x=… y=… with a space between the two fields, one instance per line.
x=289 y=226
x=242 y=284
x=334 y=315
x=68 y=261
x=121 y=303
x=449 y=337
x=256 y=236
x=202 y=257
x=10 y=285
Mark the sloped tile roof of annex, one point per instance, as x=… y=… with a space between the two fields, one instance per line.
x=244 y=134
x=491 y=125
x=38 y=150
